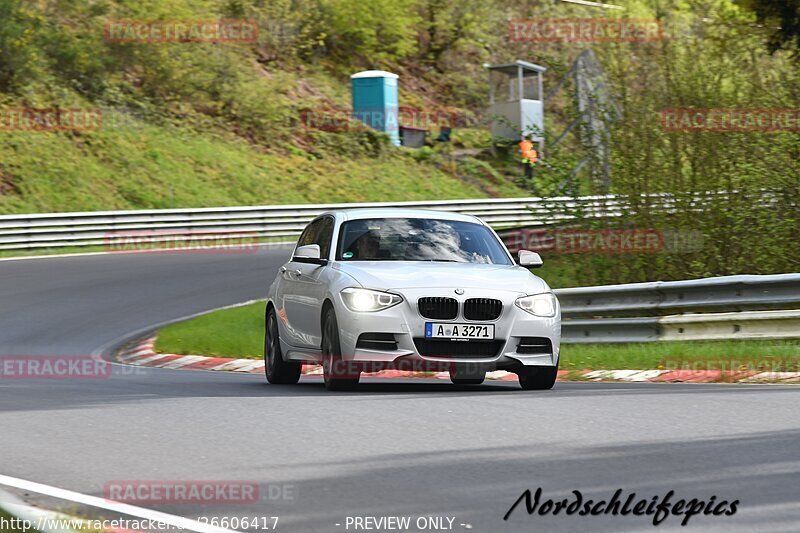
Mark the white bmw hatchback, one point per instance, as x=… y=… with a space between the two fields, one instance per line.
x=370 y=289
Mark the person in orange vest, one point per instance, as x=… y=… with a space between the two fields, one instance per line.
x=529 y=156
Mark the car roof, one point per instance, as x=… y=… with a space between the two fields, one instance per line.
x=397 y=212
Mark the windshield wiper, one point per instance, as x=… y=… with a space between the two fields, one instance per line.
x=445 y=261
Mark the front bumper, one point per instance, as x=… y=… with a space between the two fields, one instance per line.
x=513 y=328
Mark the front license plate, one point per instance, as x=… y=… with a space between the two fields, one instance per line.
x=443 y=330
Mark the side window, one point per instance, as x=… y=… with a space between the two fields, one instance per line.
x=309 y=234
x=324 y=236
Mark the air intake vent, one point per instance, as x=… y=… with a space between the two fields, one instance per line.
x=482 y=309
x=377 y=341
x=438 y=308
x=535 y=345
x=458 y=349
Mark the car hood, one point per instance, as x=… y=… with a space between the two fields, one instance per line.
x=387 y=275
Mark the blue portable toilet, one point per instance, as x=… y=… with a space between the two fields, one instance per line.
x=375 y=101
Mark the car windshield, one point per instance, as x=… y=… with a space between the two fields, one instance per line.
x=419 y=239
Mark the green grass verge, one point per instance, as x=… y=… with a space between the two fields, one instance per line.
x=52 y=251
x=239 y=333
x=772 y=355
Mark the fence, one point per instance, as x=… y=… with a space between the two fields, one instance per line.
x=727 y=307
x=731 y=307
x=97 y=228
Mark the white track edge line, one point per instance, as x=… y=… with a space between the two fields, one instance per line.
x=102 y=503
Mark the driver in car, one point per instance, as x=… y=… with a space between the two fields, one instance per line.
x=367 y=246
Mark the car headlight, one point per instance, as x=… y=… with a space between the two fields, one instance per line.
x=366 y=300
x=544 y=304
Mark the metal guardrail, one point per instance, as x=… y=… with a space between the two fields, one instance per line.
x=725 y=293
x=614 y=313
x=52 y=230
x=730 y=307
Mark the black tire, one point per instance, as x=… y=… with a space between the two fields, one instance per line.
x=472 y=379
x=337 y=374
x=537 y=377
x=278 y=371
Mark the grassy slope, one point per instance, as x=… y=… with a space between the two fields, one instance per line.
x=239 y=332
x=146 y=166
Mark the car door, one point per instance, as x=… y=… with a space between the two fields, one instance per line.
x=304 y=289
x=289 y=294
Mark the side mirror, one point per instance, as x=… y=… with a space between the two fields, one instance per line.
x=309 y=253
x=530 y=259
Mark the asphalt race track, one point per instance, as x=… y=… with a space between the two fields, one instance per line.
x=392 y=448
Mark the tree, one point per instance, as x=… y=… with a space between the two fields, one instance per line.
x=783 y=19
